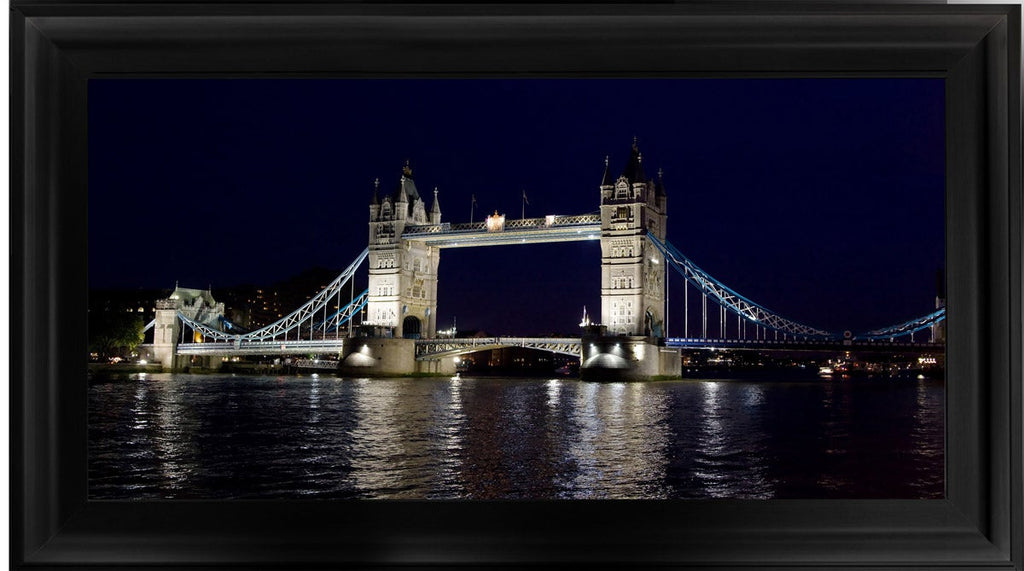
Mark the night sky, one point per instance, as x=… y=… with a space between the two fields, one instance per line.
x=819 y=199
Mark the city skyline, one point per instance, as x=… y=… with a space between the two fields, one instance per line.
x=820 y=199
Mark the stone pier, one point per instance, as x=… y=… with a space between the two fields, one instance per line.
x=624 y=358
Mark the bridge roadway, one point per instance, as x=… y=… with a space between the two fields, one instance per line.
x=551 y=228
x=804 y=345
x=427 y=349
x=293 y=347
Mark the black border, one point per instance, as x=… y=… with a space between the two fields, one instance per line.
x=57 y=47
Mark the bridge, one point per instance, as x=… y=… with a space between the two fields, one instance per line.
x=398 y=308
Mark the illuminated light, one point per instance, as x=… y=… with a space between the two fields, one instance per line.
x=495 y=222
x=315 y=376
x=457 y=360
x=142 y=361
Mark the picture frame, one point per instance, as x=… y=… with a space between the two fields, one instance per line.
x=57 y=48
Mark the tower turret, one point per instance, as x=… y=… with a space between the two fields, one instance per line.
x=375 y=201
x=634 y=171
x=435 y=210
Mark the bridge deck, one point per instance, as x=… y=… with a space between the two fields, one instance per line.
x=521 y=231
x=802 y=345
x=263 y=347
x=443 y=347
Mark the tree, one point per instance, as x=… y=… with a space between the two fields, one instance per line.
x=114 y=334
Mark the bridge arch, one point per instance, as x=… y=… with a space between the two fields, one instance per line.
x=412 y=327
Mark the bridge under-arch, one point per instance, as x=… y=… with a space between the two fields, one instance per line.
x=439 y=348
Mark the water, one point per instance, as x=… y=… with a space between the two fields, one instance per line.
x=220 y=437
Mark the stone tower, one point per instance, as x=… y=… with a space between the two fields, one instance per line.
x=403 y=274
x=632 y=270
x=195 y=304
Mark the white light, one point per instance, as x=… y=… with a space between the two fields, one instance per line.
x=315 y=376
x=142 y=361
x=457 y=360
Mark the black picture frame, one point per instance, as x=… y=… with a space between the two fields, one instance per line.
x=58 y=47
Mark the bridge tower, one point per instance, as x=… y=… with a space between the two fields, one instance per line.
x=194 y=304
x=632 y=270
x=403 y=274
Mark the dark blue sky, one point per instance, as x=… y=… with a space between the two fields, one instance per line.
x=819 y=199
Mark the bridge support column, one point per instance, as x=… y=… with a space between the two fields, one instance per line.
x=625 y=358
x=439 y=366
x=377 y=357
x=165 y=333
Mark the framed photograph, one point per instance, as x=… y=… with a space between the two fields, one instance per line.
x=100 y=90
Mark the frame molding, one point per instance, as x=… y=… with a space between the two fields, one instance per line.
x=57 y=47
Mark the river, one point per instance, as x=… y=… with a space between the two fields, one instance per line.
x=262 y=437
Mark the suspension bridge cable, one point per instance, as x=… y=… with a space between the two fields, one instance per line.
x=726 y=297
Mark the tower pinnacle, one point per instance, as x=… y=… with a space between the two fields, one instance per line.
x=607 y=180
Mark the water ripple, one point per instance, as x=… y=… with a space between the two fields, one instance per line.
x=210 y=437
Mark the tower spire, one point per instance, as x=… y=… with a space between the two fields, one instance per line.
x=606 y=180
x=634 y=171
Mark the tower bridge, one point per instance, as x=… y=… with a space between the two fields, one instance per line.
x=397 y=317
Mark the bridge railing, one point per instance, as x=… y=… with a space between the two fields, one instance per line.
x=260 y=347
x=325 y=364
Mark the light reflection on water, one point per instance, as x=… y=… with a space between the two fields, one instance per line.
x=187 y=436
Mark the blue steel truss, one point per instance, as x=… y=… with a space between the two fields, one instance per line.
x=299 y=322
x=343 y=315
x=905 y=328
x=732 y=301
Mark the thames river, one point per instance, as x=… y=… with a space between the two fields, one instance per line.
x=220 y=437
